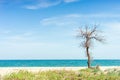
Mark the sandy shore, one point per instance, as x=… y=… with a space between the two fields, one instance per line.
x=8 y=70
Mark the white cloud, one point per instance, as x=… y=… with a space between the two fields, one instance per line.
x=15 y=38
x=47 y=3
x=77 y=19
x=4 y=32
x=68 y=1
x=60 y=20
x=28 y=33
x=97 y=15
x=7 y=35
x=42 y=4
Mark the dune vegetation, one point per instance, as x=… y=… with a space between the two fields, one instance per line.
x=83 y=74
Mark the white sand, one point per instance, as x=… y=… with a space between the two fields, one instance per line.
x=8 y=70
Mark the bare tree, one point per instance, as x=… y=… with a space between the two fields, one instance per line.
x=88 y=35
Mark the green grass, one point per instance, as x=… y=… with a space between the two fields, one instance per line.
x=84 y=74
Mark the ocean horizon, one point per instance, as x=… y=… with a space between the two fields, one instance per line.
x=58 y=63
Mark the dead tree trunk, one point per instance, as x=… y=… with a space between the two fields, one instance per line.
x=88 y=55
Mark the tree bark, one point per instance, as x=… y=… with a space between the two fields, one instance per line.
x=88 y=55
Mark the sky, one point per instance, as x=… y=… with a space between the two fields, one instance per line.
x=47 y=29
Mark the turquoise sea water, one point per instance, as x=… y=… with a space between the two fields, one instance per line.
x=56 y=63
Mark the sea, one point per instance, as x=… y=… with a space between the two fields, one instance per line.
x=56 y=63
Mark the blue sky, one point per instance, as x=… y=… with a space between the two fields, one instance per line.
x=47 y=29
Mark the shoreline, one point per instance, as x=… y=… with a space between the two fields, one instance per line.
x=8 y=70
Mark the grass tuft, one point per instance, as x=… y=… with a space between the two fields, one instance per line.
x=83 y=74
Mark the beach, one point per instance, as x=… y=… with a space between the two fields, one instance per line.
x=8 y=70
